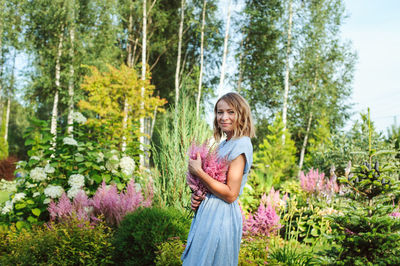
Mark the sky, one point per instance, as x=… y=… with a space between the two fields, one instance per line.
x=373 y=27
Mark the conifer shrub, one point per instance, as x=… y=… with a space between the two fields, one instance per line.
x=74 y=242
x=366 y=230
x=140 y=232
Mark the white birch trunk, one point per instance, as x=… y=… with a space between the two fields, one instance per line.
x=53 y=127
x=144 y=41
x=71 y=90
x=303 y=147
x=9 y=97
x=7 y=118
x=203 y=22
x=285 y=96
x=1 y=72
x=178 y=61
x=226 y=39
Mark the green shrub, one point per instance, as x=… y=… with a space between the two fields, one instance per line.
x=253 y=251
x=140 y=232
x=169 y=253
x=176 y=132
x=71 y=243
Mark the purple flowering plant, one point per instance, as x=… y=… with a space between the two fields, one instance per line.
x=211 y=163
x=106 y=203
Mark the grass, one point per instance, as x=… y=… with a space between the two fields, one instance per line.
x=4 y=196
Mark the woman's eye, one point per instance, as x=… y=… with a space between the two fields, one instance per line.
x=231 y=112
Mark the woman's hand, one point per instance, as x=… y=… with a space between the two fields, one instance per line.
x=195 y=165
x=195 y=201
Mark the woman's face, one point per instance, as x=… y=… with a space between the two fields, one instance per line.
x=226 y=117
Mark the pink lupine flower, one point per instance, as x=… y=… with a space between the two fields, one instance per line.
x=211 y=163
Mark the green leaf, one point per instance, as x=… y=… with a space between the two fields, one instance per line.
x=32 y=219
x=97 y=178
x=20 y=206
x=36 y=212
x=20 y=225
x=29 y=201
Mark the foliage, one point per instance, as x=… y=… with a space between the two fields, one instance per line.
x=179 y=127
x=349 y=146
x=114 y=94
x=275 y=156
x=74 y=165
x=3 y=141
x=140 y=232
x=254 y=250
x=72 y=242
x=292 y=253
x=169 y=252
x=366 y=230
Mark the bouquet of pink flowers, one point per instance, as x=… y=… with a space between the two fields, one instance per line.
x=211 y=164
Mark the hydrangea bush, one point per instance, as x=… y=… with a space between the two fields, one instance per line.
x=75 y=164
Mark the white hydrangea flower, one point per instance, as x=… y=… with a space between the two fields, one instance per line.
x=112 y=164
x=102 y=168
x=29 y=185
x=76 y=181
x=36 y=194
x=18 y=197
x=37 y=158
x=78 y=117
x=72 y=192
x=53 y=191
x=8 y=206
x=20 y=164
x=127 y=165
x=49 y=169
x=100 y=157
x=10 y=186
x=38 y=174
x=70 y=141
x=46 y=201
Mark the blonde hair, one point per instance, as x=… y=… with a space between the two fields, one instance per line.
x=244 y=123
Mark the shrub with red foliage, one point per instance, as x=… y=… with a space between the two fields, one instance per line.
x=7 y=168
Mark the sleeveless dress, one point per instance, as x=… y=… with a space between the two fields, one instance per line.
x=216 y=229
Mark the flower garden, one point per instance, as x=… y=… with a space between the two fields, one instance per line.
x=85 y=204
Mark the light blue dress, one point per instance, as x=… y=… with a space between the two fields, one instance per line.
x=216 y=230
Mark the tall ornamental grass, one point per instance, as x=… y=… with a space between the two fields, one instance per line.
x=179 y=127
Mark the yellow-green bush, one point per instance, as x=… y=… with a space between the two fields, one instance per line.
x=70 y=243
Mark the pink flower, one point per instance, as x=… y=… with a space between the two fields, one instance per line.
x=264 y=222
x=211 y=163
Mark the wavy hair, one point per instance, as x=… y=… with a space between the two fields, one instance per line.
x=244 y=122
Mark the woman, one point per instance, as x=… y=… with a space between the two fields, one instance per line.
x=216 y=230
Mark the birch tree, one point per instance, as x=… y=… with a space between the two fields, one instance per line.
x=203 y=22
x=143 y=77
x=71 y=90
x=287 y=71
x=178 y=59
x=225 y=53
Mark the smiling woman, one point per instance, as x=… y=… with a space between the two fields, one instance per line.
x=216 y=230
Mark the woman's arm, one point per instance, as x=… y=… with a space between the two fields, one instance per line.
x=229 y=191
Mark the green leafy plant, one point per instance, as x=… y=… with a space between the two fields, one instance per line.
x=169 y=252
x=140 y=232
x=364 y=229
x=70 y=243
x=179 y=127
x=74 y=164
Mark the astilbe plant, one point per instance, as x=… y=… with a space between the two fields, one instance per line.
x=107 y=203
x=265 y=221
x=212 y=164
x=315 y=183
